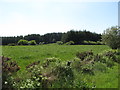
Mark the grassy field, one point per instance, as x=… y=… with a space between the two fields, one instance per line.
x=24 y=55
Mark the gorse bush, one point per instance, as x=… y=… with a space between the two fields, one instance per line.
x=59 y=42
x=22 y=42
x=55 y=75
x=76 y=64
x=108 y=57
x=88 y=69
x=32 y=42
x=70 y=43
x=8 y=69
x=26 y=42
x=92 y=43
x=64 y=75
x=48 y=75
x=83 y=55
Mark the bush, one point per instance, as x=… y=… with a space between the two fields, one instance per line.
x=83 y=55
x=8 y=69
x=108 y=57
x=22 y=42
x=65 y=76
x=55 y=75
x=59 y=42
x=111 y=37
x=111 y=55
x=88 y=69
x=69 y=43
x=92 y=43
x=49 y=61
x=32 y=42
x=41 y=74
x=110 y=63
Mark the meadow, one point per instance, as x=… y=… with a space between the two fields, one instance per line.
x=25 y=55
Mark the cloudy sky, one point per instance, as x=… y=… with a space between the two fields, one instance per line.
x=22 y=17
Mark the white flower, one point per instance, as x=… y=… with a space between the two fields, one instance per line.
x=6 y=82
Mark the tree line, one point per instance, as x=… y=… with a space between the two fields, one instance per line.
x=78 y=37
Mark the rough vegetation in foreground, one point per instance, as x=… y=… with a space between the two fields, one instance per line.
x=55 y=73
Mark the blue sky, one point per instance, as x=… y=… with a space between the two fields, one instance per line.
x=22 y=17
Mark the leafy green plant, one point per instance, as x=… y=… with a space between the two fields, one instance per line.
x=92 y=43
x=111 y=37
x=59 y=42
x=22 y=42
x=69 y=43
x=83 y=55
x=88 y=69
x=32 y=42
x=76 y=64
x=64 y=75
x=8 y=69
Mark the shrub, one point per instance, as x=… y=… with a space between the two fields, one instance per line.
x=8 y=69
x=111 y=55
x=89 y=42
x=37 y=78
x=33 y=64
x=22 y=42
x=65 y=76
x=70 y=43
x=87 y=68
x=32 y=42
x=59 y=42
x=110 y=63
x=108 y=57
x=55 y=74
x=97 y=57
x=92 y=43
x=83 y=55
x=100 y=43
x=76 y=64
x=111 y=37
x=49 y=61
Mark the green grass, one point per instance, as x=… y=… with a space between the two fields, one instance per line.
x=25 y=55
x=105 y=80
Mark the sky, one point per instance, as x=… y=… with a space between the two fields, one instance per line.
x=23 y=17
